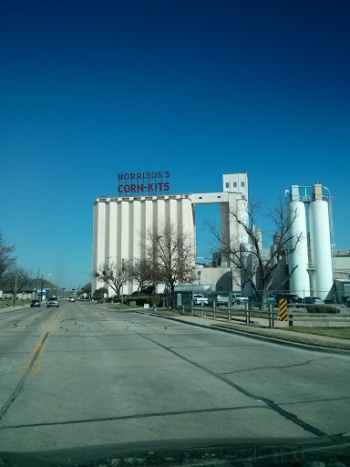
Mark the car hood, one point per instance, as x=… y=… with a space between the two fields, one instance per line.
x=204 y=452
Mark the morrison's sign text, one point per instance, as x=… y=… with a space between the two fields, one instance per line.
x=143 y=182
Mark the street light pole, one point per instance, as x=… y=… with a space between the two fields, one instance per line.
x=41 y=288
x=122 y=299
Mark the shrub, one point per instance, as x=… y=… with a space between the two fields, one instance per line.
x=331 y=309
x=150 y=299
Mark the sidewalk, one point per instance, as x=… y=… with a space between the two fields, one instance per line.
x=280 y=333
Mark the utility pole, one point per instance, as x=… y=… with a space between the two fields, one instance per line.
x=122 y=277
x=15 y=290
x=41 y=288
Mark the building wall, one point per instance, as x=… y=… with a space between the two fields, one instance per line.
x=121 y=225
x=219 y=278
x=341 y=264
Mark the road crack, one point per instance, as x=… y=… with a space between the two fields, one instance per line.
x=270 y=403
x=271 y=367
x=133 y=417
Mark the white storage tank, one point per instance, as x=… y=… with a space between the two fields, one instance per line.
x=320 y=240
x=299 y=282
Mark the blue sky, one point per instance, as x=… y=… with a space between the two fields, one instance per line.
x=90 y=89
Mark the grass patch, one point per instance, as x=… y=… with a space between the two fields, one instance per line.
x=307 y=339
x=9 y=303
x=339 y=333
x=167 y=312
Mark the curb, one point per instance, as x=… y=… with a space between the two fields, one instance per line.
x=274 y=340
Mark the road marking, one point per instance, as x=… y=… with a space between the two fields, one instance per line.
x=36 y=354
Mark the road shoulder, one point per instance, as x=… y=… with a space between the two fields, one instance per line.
x=276 y=335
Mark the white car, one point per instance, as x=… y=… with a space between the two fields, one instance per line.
x=53 y=301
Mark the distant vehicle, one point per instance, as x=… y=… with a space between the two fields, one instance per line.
x=35 y=303
x=53 y=301
x=71 y=299
x=291 y=298
x=198 y=299
x=222 y=300
x=237 y=298
x=312 y=300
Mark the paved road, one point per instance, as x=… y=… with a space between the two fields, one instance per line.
x=84 y=375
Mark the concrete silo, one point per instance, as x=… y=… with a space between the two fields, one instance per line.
x=320 y=243
x=298 y=262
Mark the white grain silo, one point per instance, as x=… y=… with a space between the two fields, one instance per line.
x=297 y=246
x=320 y=242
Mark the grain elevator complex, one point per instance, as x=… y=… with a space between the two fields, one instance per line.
x=121 y=224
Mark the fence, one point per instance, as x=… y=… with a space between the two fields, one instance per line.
x=242 y=314
x=271 y=317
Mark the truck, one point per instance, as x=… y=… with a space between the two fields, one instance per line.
x=238 y=298
x=222 y=300
x=232 y=298
x=199 y=299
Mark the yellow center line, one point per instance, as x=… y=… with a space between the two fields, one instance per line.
x=34 y=358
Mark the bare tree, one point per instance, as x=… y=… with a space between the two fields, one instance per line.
x=6 y=255
x=251 y=263
x=170 y=256
x=86 y=288
x=141 y=273
x=16 y=279
x=114 y=276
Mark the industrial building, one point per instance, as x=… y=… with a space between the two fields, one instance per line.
x=121 y=223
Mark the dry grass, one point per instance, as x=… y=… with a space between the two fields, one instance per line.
x=338 y=332
x=9 y=303
x=308 y=338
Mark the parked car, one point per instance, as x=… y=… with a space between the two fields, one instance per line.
x=222 y=300
x=35 y=303
x=313 y=300
x=53 y=301
x=237 y=298
x=291 y=298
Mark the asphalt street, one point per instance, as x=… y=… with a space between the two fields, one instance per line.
x=83 y=375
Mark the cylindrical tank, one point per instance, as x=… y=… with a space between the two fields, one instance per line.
x=297 y=250
x=321 y=250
